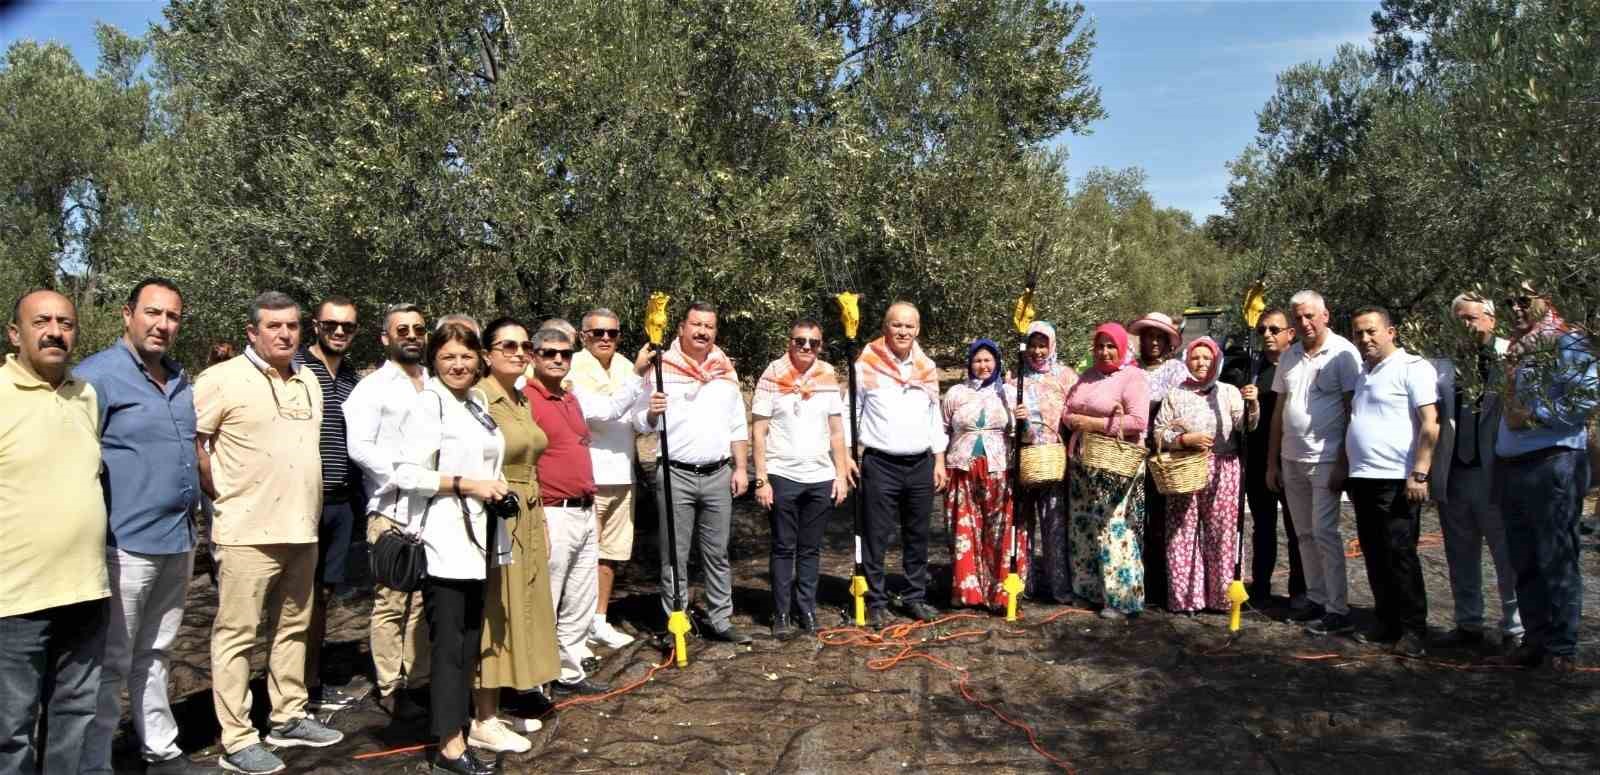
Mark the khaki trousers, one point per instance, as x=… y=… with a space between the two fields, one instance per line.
x=388 y=612
x=260 y=585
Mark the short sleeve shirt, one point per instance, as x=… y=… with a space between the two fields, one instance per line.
x=799 y=441
x=1312 y=389
x=265 y=461
x=1384 y=415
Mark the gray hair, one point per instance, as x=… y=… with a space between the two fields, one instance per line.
x=1472 y=297
x=598 y=312
x=1307 y=297
x=400 y=309
x=560 y=324
x=465 y=320
x=271 y=301
x=550 y=334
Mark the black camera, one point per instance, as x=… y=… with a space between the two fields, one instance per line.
x=504 y=508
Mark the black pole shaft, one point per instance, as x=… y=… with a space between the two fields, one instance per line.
x=664 y=471
x=1016 y=451
x=855 y=444
x=1244 y=453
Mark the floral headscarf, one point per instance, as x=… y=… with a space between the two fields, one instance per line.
x=1194 y=382
x=1119 y=337
x=1049 y=332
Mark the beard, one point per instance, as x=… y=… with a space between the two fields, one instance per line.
x=402 y=356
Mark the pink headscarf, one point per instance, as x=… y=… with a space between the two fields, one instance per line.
x=1119 y=336
x=1194 y=382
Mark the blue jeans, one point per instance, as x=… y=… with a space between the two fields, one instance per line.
x=1541 y=497
x=49 y=665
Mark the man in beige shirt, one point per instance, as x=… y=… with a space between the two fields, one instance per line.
x=53 y=581
x=258 y=431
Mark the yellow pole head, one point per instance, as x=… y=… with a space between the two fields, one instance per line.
x=678 y=625
x=1013 y=587
x=655 y=317
x=858 y=590
x=1237 y=596
x=849 y=312
x=1023 y=313
x=1255 y=302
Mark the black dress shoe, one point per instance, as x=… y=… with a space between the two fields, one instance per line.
x=1525 y=655
x=1459 y=638
x=1314 y=613
x=465 y=764
x=1379 y=637
x=1411 y=644
x=580 y=686
x=728 y=634
x=921 y=611
x=805 y=621
x=781 y=630
x=877 y=618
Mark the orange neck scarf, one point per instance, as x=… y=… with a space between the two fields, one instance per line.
x=879 y=368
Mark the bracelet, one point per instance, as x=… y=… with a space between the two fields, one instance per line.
x=455 y=486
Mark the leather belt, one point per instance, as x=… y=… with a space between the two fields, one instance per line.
x=570 y=503
x=699 y=469
x=916 y=457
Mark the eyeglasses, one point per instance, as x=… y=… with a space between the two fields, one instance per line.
x=1519 y=302
x=419 y=330
x=291 y=412
x=329 y=326
x=804 y=342
x=605 y=333
x=1271 y=330
x=550 y=353
x=509 y=348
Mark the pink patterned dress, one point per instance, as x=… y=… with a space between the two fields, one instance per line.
x=1202 y=526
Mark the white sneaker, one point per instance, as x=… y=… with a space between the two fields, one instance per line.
x=523 y=726
x=601 y=632
x=494 y=735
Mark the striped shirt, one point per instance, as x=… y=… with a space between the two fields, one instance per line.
x=340 y=480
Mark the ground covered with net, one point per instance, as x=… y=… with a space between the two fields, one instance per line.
x=1059 y=690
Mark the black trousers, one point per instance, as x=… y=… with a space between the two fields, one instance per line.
x=799 y=514
x=455 y=624
x=897 y=493
x=1387 y=525
x=1264 y=504
x=1154 y=551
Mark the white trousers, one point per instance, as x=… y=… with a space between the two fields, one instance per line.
x=1315 y=511
x=148 y=593
x=574 y=584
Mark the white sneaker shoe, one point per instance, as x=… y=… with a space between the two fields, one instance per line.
x=601 y=632
x=494 y=735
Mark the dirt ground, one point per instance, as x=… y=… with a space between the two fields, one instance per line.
x=1156 y=693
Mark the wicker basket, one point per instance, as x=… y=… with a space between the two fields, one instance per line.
x=1179 y=473
x=1043 y=464
x=1110 y=453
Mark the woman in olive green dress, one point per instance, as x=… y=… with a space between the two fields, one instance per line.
x=519 y=645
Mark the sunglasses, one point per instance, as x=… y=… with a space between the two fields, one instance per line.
x=804 y=342
x=550 y=353
x=1519 y=302
x=509 y=348
x=1271 y=330
x=329 y=326
x=482 y=417
x=419 y=330
x=605 y=333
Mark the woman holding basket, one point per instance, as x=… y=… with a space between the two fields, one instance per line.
x=1201 y=414
x=1044 y=398
x=1106 y=412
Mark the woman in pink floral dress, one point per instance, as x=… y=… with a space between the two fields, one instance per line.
x=977 y=503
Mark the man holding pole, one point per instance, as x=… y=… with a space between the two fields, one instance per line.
x=902 y=466
x=706 y=424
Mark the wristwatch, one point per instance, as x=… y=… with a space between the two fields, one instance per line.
x=1420 y=477
x=760 y=483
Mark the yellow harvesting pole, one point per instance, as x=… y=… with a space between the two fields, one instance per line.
x=1021 y=317
x=850 y=317
x=655 y=326
x=1255 y=301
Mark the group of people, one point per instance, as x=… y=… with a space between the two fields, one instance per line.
x=508 y=451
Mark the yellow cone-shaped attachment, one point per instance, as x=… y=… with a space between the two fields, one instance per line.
x=655 y=317
x=858 y=590
x=1022 y=313
x=1013 y=587
x=678 y=625
x=849 y=312
x=1255 y=301
x=1237 y=596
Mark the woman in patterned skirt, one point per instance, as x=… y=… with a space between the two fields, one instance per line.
x=1044 y=507
x=977 y=414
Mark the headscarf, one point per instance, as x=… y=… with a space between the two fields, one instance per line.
x=1551 y=326
x=1118 y=336
x=994 y=377
x=1049 y=331
x=1194 y=382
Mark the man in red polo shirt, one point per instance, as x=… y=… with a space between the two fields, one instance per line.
x=566 y=485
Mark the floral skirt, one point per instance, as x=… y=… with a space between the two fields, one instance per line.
x=978 y=508
x=1202 y=540
x=1106 y=518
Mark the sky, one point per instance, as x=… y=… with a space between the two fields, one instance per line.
x=1181 y=80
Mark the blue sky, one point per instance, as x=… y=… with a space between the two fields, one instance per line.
x=1181 y=80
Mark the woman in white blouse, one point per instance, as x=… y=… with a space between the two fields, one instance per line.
x=449 y=468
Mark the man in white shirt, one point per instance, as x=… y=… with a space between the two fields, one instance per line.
x=1394 y=425
x=596 y=371
x=707 y=438
x=802 y=470
x=1315 y=380
x=902 y=463
x=373 y=414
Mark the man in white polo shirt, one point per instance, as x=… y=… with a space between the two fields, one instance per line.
x=1315 y=380
x=802 y=470
x=1394 y=425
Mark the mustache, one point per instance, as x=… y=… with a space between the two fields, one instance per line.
x=52 y=341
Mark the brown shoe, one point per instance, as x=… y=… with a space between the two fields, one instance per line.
x=1522 y=656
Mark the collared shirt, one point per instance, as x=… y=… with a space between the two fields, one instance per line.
x=372 y=416
x=1312 y=389
x=340 y=480
x=52 y=516
x=151 y=480
x=899 y=420
x=565 y=470
x=1384 y=415
x=444 y=437
x=799 y=434
x=265 y=462
x=612 y=449
x=703 y=420
x=1559 y=395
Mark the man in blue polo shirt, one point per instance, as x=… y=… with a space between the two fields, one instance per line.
x=147 y=428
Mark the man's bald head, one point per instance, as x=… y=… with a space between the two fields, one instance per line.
x=902 y=324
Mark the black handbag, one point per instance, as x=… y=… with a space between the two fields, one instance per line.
x=398 y=559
